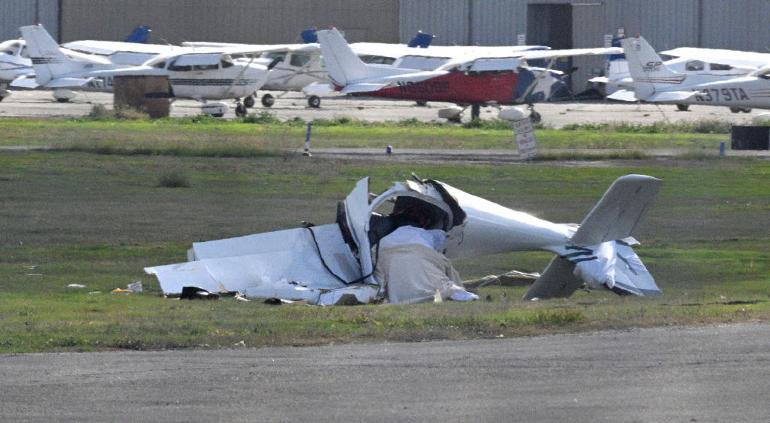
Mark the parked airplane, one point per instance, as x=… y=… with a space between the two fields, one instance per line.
x=471 y=78
x=321 y=263
x=201 y=75
x=699 y=65
x=14 y=62
x=654 y=81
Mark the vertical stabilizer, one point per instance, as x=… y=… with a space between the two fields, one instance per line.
x=47 y=59
x=647 y=69
x=341 y=62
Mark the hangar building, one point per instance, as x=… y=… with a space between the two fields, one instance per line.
x=734 y=24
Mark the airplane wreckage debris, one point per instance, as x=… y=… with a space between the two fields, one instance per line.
x=396 y=248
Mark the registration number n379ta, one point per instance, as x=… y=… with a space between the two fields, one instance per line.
x=722 y=94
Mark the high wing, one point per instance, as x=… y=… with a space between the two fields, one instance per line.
x=748 y=59
x=555 y=54
x=106 y=48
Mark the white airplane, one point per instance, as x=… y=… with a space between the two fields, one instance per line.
x=654 y=81
x=201 y=75
x=14 y=62
x=321 y=263
x=699 y=65
x=497 y=77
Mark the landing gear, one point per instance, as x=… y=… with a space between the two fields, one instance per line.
x=475 y=112
x=240 y=109
x=683 y=107
x=740 y=109
x=268 y=100
x=249 y=102
x=421 y=103
x=314 y=101
x=63 y=100
x=534 y=116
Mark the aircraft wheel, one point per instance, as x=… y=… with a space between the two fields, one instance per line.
x=249 y=102
x=66 y=100
x=422 y=103
x=217 y=115
x=683 y=107
x=268 y=100
x=535 y=117
x=746 y=110
x=2 y=98
x=314 y=101
x=240 y=110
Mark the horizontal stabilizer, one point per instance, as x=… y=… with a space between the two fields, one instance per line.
x=362 y=88
x=623 y=95
x=25 y=81
x=618 y=213
x=671 y=96
x=661 y=97
x=68 y=82
x=557 y=281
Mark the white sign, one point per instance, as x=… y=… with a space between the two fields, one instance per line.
x=526 y=143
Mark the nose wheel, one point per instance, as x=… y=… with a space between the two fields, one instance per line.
x=240 y=109
x=268 y=100
x=314 y=101
x=249 y=102
x=534 y=116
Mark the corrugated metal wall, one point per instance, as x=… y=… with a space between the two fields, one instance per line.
x=448 y=20
x=249 y=21
x=16 y=13
x=498 y=23
x=739 y=24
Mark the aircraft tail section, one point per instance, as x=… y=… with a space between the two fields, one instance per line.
x=600 y=253
x=341 y=62
x=647 y=69
x=47 y=59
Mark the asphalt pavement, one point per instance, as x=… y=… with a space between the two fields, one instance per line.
x=697 y=374
x=293 y=105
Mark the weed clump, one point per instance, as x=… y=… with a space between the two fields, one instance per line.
x=100 y=112
x=173 y=179
x=263 y=118
x=702 y=126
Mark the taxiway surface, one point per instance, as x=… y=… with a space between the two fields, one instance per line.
x=699 y=374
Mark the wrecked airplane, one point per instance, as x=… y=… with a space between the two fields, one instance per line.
x=326 y=263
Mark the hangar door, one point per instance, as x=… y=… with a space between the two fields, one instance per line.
x=551 y=25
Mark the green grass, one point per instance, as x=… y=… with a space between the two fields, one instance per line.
x=97 y=220
x=261 y=135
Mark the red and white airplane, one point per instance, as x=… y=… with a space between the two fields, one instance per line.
x=469 y=79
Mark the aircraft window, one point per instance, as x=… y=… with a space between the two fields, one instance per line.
x=24 y=52
x=719 y=67
x=226 y=63
x=281 y=55
x=377 y=60
x=237 y=56
x=179 y=68
x=694 y=65
x=8 y=52
x=160 y=65
x=205 y=67
x=299 y=60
